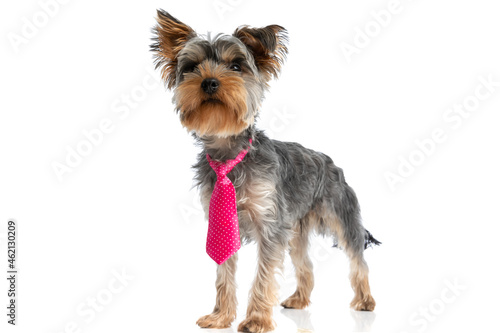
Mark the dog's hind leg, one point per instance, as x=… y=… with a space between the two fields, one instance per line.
x=363 y=300
x=352 y=237
x=299 y=246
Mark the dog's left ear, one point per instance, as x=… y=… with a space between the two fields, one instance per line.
x=170 y=36
x=268 y=47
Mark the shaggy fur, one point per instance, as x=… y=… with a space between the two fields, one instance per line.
x=284 y=191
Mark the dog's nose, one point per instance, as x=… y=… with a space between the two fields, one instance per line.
x=210 y=86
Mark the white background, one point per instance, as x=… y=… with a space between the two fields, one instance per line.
x=128 y=204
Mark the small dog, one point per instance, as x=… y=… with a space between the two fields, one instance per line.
x=283 y=190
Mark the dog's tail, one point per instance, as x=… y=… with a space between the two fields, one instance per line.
x=370 y=240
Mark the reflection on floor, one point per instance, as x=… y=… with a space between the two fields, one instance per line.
x=363 y=320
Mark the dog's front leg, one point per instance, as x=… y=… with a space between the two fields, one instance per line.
x=263 y=295
x=225 y=304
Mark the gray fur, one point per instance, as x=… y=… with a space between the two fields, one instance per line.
x=304 y=179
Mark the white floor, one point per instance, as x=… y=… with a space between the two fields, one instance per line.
x=408 y=299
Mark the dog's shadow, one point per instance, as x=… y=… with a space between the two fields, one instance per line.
x=301 y=318
x=218 y=330
x=363 y=320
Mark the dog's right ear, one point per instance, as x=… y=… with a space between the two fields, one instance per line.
x=170 y=36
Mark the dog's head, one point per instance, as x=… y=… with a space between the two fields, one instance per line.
x=218 y=83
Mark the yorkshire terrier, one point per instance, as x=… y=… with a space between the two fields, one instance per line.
x=284 y=191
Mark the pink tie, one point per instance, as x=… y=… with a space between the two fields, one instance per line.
x=223 y=239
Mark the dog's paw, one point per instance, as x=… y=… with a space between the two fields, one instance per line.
x=295 y=302
x=257 y=324
x=215 y=320
x=365 y=304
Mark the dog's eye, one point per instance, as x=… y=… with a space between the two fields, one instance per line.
x=189 y=68
x=235 y=67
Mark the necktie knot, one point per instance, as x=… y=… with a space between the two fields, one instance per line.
x=221 y=169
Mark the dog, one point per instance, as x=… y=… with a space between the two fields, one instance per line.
x=284 y=192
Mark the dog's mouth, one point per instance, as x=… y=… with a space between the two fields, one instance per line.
x=212 y=100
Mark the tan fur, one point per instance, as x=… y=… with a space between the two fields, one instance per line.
x=259 y=321
x=230 y=53
x=269 y=53
x=363 y=300
x=263 y=295
x=256 y=208
x=224 y=311
x=224 y=113
x=226 y=288
x=299 y=246
x=324 y=223
x=172 y=36
x=254 y=200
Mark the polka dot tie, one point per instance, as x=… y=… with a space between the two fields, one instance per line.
x=223 y=239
